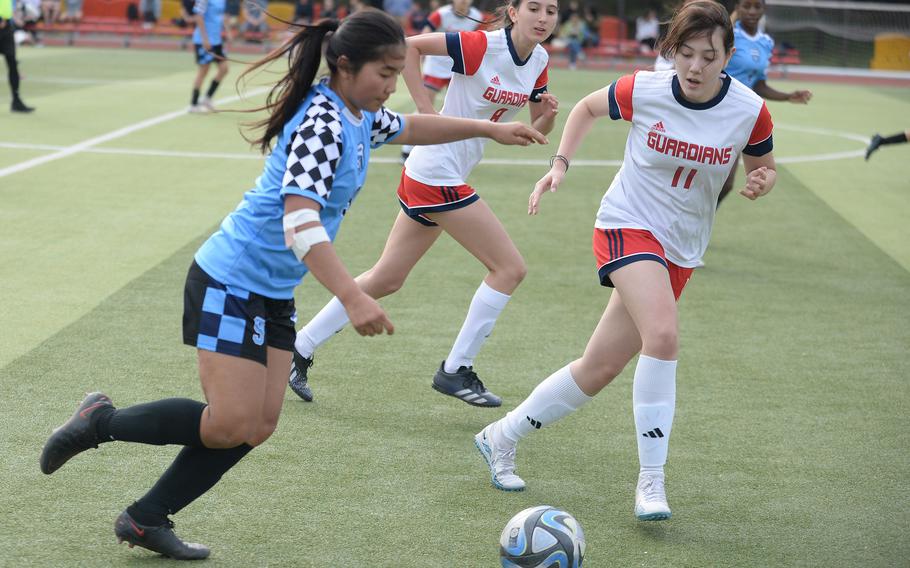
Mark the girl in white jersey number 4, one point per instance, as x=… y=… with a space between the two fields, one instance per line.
x=496 y=74
x=688 y=126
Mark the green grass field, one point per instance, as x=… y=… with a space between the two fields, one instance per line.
x=790 y=445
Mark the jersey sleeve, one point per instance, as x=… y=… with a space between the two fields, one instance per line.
x=540 y=85
x=760 y=141
x=620 y=94
x=313 y=156
x=387 y=125
x=434 y=20
x=466 y=50
x=200 y=6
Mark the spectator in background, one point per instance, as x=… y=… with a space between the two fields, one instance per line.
x=255 y=28
x=50 y=11
x=567 y=12
x=26 y=14
x=647 y=30
x=592 y=26
x=573 y=32
x=186 y=14
x=303 y=12
x=73 y=11
x=328 y=10
x=400 y=10
x=231 y=18
x=151 y=11
x=8 y=51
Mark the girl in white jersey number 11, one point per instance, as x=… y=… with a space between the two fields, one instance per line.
x=496 y=74
x=687 y=127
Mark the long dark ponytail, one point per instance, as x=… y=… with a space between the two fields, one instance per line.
x=362 y=37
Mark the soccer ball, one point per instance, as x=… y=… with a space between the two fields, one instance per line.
x=542 y=537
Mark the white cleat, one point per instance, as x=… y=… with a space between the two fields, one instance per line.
x=207 y=104
x=198 y=109
x=499 y=454
x=651 y=498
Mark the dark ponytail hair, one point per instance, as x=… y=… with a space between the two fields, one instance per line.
x=362 y=37
x=501 y=17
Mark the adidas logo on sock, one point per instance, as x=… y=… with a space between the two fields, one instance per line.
x=655 y=433
x=534 y=423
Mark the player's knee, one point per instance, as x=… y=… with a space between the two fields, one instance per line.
x=661 y=342
x=227 y=436
x=263 y=432
x=512 y=274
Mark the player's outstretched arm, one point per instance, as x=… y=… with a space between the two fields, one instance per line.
x=761 y=175
x=306 y=236
x=579 y=123
x=423 y=129
x=418 y=46
x=765 y=91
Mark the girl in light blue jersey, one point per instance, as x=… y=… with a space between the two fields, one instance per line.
x=750 y=62
x=239 y=295
x=209 y=18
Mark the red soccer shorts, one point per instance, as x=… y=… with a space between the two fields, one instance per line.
x=615 y=248
x=435 y=83
x=419 y=198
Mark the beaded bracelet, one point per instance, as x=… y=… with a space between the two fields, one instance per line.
x=561 y=158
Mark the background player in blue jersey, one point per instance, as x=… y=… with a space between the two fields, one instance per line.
x=750 y=62
x=239 y=295
x=209 y=15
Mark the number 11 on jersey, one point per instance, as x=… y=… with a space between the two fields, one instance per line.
x=678 y=175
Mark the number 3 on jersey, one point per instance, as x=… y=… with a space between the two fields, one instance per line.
x=498 y=114
x=678 y=175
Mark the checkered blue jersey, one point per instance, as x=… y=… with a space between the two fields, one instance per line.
x=322 y=154
x=752 y=57
x=213 y=15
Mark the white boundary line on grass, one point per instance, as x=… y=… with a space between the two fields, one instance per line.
x=87 y=147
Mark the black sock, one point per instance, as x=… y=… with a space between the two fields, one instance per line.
x=195 y=99
x=896 y=139
x=212 y=86
x=194 y=471
x=168 y=421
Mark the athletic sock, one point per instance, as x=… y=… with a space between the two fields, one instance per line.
x=653 y=405
x=212 y=87
x=168 y=421
x=896 y=139
x=486 y=306
x=330 y=320
x=193 y=472
x=557 y=396
x=195 y=100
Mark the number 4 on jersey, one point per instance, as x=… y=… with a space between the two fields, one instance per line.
x=498 y=114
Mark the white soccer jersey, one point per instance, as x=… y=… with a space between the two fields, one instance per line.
x=446 y=20
x=490 y=82
x=678 y=155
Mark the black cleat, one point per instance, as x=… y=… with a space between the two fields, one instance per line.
x=873 y=145
x=160 y=539
x=464 y=384
x=75 y=435
x=19 y=106
x=298 y=380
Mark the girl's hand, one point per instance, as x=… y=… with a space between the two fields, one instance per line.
x=550 y=104
x=367 y=316
x=516 y=134
x=759 y=182
x=549 y=182
x=800 y=97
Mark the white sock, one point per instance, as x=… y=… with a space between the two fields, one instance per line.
x=485 y=308
x=330 y=320
x=653 y=404
x=557 y=396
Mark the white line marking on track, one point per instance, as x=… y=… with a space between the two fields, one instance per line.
x=87 y=144
x=87 y=147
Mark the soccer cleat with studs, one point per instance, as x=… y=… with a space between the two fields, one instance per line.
x=500 y=458
x=75 y=435
x=651 y=498
x=298 y=381
x=874 y=143
x=160 y=539
x=464 y=384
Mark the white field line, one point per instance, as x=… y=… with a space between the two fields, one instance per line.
x=88 y=147
x=119 y=133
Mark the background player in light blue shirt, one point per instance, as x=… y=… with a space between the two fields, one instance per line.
x=238 y=301
x=750 y=62
x=209 y=17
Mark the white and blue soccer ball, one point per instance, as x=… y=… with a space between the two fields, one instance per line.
x=542 y=537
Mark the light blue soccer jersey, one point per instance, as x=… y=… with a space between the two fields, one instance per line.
x=213 y=15
x=752 y=57
x=321 y=154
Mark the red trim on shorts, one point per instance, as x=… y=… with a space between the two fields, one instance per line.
x=418 y=198
x=615 y=248
x=435 y=83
